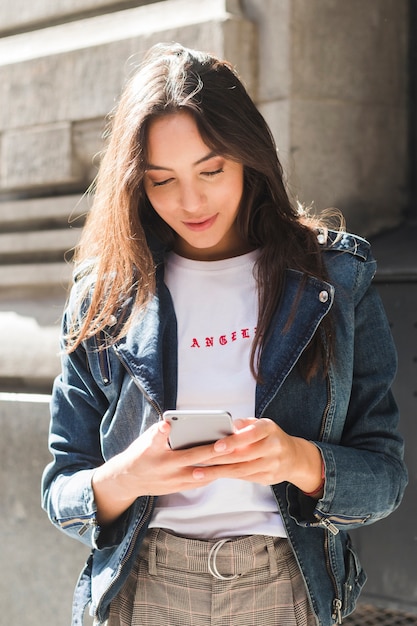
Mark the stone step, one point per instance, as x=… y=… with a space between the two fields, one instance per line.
x=42 y=212
x=15 y=16
x=36 y=237
x=37 y=246
x=36 y=275
x=113 y=27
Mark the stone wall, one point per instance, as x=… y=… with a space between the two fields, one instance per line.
x=332 y=82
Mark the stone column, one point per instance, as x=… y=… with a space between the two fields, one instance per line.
x=333 y=85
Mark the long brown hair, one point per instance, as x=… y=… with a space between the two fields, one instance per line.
x=114 y=239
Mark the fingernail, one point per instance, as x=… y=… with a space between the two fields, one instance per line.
x=220 y=446
x=198 y=474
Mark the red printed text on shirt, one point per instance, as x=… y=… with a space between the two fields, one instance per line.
x=223 y=340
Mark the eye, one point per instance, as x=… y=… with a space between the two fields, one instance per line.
x=213 y=173
x=160 y=183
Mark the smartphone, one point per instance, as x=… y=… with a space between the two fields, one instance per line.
x=195 y=428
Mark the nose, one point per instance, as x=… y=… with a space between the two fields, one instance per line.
x=191 y=197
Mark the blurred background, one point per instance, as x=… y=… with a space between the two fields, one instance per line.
x=335 y=80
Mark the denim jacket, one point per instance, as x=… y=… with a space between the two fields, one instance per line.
x=104 y=399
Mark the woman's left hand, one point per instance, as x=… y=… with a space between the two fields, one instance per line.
x=260 y=451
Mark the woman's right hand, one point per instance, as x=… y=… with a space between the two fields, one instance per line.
x=147 y=467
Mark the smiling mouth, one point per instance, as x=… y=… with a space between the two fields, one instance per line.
x=201 y=224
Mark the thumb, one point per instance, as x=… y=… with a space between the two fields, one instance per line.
x=164 y=428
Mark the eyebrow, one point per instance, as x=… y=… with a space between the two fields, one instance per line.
x=207 y=157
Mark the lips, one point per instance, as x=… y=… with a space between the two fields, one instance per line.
x=200 y=225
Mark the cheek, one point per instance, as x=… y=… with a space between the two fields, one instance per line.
x=232 y=192
x=237 y=185
x=160 y=201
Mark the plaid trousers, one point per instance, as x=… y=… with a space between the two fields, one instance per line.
x=242 y=581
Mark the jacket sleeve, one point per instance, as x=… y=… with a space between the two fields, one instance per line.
x=77 y=408
x=365 y=475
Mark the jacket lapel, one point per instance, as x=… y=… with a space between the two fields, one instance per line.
x=307 y=300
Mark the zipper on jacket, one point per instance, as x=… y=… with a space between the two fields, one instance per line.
x=91 y=523
x=342 y=520
x=146 y=515
x=337 y=603
x=87 y=522
x=326 y=523
x=337 y=611
x=326 y=409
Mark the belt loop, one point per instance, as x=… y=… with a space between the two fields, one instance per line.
x=153 y=536
x=270 y=546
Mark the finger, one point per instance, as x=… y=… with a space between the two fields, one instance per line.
x=254 y=431
x=253 y=471
x=198 y=455
x=242 y=422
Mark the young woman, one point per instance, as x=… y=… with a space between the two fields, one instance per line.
x=199 y=286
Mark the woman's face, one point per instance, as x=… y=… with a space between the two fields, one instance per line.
x=196 y=191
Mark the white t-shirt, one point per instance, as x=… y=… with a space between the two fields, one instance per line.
x=216 y=306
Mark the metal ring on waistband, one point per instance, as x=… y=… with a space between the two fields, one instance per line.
x=211 y=562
